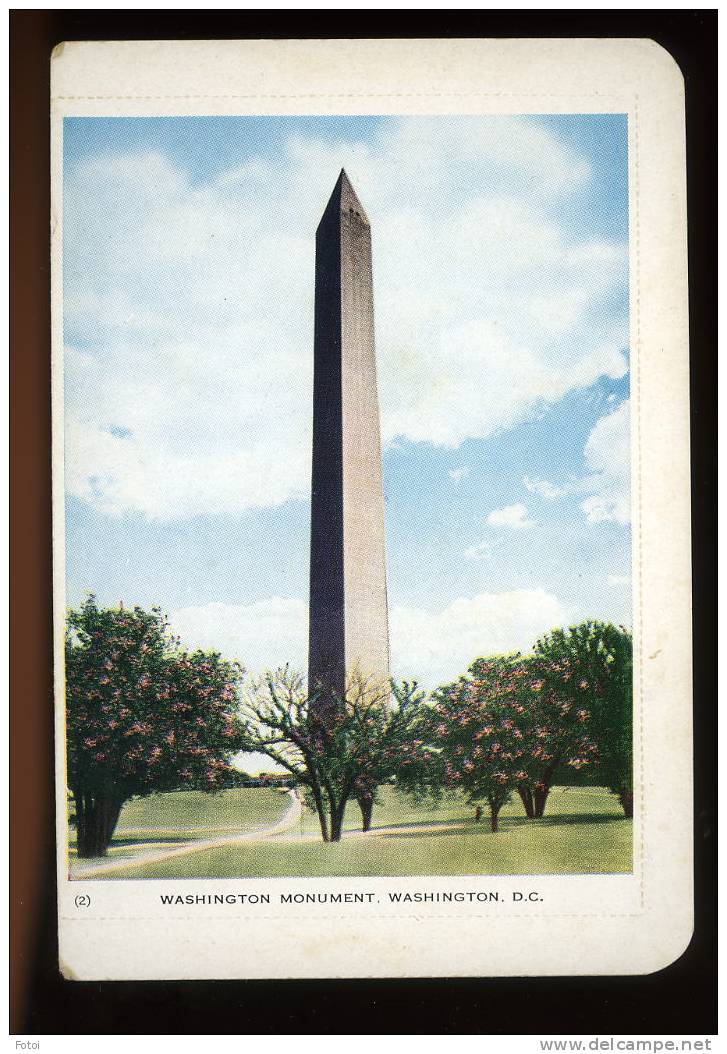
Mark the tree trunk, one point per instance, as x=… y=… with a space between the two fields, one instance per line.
x=337 y=814
x=112 y=812
x=80 y=821
x=96 y=819
x=321 y=811
x=494 y=813
x=85 y=824
x=366 y=805
x=626 y=797
x=323 y=821
x=539 y=799
x=526 y=796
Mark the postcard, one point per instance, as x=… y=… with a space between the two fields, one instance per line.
x=371 y=508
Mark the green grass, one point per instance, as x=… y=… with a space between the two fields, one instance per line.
x=396 y=809
x=584 y=831
x=185 y=816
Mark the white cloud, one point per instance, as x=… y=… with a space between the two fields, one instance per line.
x=434 y=648
x=513 y=516
x=458 y=474
x=431 y=647
x=263 y=635
x=619 y=580
x=188 y=307
x=608 y=456
x=482 y=551
x=543 y=488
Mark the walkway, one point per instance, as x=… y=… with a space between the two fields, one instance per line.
x=289 y=819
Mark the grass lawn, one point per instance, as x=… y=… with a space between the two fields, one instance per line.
x=584 y=831
x=184 y=816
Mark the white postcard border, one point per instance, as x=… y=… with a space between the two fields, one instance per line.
x=583 y=924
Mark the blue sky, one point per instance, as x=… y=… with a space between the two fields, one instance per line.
x=501 y=288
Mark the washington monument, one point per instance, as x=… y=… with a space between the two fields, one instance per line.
x=348 y=612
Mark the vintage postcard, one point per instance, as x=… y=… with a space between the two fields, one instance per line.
x=371 y=508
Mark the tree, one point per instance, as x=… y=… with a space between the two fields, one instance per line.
x=335 y=752
x=550 y=729
x=142 y=715
x=391 y=742
x=473 y=727
x=590 y=667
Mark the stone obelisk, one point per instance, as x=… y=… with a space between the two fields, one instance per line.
x=348 y=611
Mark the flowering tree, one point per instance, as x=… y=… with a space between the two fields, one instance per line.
x=589 y=668
x=515 y=722
x=473 y=727
x=142 y=716
x=549 y=727
x=335 y=752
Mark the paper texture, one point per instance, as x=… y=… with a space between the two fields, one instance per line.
x=289 y=924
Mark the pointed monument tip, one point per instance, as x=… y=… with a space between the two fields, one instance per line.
x=345 y=200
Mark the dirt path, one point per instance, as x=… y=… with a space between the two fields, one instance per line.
x=288 y=820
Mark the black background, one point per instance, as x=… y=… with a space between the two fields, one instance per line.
x=680 y=999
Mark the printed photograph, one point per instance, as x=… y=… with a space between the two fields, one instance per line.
x=347 y=496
